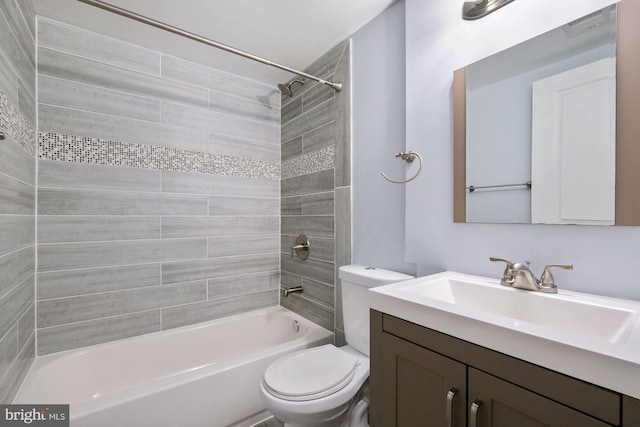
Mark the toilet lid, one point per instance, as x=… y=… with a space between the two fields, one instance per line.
x=310 y=374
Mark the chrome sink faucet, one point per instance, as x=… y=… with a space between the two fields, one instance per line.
x=518 y=275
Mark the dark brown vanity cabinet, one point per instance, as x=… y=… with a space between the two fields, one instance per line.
x=502 y=404
x=421 y=377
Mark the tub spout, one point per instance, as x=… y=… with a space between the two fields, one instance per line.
x=287 y=291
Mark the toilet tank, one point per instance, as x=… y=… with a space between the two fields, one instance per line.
x=356 y=281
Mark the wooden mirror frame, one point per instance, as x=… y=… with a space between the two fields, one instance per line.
x=627 y=123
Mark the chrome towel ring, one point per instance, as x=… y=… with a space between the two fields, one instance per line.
x=409 y=157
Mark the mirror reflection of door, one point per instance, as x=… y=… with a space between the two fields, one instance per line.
x=573 y=146
x=498 y=128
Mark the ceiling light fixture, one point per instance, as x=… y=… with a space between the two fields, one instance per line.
x=479 y=8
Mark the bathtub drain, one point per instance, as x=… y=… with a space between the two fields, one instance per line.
x=295 y=326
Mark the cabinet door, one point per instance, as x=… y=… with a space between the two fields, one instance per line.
x=630 y=412
x=420 y=387
x=502 y=404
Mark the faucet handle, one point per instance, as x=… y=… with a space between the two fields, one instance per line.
x=507 y=276
x=494 y=259
x=547 y=278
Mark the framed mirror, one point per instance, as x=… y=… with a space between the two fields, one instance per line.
x=547 y=131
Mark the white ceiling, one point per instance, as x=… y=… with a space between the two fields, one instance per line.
x=290 y=32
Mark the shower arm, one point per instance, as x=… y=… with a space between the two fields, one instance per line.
x=132 y=15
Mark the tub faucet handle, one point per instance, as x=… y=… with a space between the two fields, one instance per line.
x=301 y=247
x=298 y=247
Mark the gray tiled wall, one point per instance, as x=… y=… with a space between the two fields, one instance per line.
x=132 y=237
x=158 y=191
x=17 y=194
x=316 y=189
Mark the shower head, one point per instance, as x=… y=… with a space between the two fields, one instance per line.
x=286 y=88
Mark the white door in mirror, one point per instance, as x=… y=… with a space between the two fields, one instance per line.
x=573 y=146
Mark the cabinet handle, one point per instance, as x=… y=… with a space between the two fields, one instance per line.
x=473 y=413
x=450 y=395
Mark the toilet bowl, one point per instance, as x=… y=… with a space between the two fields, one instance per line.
x=316 y=387
x=328 y=385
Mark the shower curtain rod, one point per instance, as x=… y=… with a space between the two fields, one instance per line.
x=140 y=18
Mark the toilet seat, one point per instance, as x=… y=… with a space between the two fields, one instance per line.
x=310 y=374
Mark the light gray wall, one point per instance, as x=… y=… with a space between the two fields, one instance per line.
x=158 y=191
x=379 y=133
x=438 y=42
x=316 y=188
x=17 y=194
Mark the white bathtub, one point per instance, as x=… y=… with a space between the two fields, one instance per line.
x=202 y=375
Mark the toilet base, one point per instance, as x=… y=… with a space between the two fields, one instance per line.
x=356 y=414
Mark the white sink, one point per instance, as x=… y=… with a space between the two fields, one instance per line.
x=594 y=319
x=590 y=337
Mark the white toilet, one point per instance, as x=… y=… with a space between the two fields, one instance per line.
x=327 y=386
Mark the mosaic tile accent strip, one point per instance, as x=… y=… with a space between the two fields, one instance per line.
x=16 y=126
x=70 y=148
x=314 y=161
